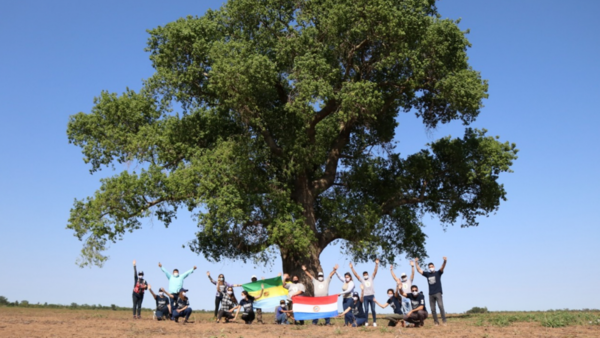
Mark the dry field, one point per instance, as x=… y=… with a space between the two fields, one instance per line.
x=39 y=322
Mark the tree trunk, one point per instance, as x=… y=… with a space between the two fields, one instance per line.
x=292 y=265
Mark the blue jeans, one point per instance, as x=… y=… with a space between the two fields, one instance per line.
x=316 y=321
x=185 y=313
x=347 y=302
x=369 y=300
x=281 y=318
x=406 y=306
x=360 y=321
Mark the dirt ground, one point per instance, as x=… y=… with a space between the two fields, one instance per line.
x=36 y=322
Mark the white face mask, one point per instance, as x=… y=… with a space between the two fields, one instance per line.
x=415 y=293
x=355 y=299
x=183 y=294
x=366 y=277
x=141 y=277
x=390 y=295
x=230 y=292
x=321 y=278
x=431 y=269
x=221 y=279
x=348 y=279
x=162 y=294
x=176 y=274
x=404 y=279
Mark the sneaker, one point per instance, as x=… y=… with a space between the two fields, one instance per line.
x=367 y=324
x=374 y=324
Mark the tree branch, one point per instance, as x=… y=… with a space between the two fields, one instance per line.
x=332 y=160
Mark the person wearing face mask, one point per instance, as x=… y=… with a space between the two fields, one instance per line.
x=139 y=286
x=247 y=305
x=434 y=279
x=182 y=308
x=163 y=306
x=321 y=287
x=221 y=286
x=355 y=315
x=406 y=284
x=418 y=312
x=295 y=288
x=175 y=281
x=347 y=289
x=282 y=314
x=369 y=288
x=394 y=300
x=228 y=305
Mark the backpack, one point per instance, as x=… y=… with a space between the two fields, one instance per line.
x=139 y=287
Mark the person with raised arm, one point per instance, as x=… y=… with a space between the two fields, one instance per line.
x=355 y=315
x=418 y=312
x=221 y=286
x=139 y=286
x=175 y=281
x=347 y=289
x=163 y=305
x=321 y=287
x=295 y=288
x=434 y=278
x=246 y=305
x=406 y=284
x=369 y=289
x=182 y=308
x=394 y=300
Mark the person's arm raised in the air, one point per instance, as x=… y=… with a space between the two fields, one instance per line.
x=134 y=272
x=412 y=271
x=306 y=272
x=165 y=271
x=376 y=266
x=417 y=266
x=401 y=292
x=393 y=274
x=338 y=276
x=189 y=272
x=354 y=271
x=209 y=277
x=443 y=265
x=334 y=271
x=152 y=292
x=381 y=306
x=262 y=291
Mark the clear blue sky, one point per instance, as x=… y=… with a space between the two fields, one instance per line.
x=538 y=252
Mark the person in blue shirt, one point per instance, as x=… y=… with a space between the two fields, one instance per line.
x=175 y=281
x=418 y=314
x=395 y=301
x=182 y=307
x=434 y=279
x=282 y=314
x=355 y=314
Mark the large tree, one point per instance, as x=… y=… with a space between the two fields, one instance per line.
x=274 y=122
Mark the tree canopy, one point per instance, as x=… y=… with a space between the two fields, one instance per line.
x=274 y=122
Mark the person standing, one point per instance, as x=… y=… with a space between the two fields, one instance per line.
x=369 y=291
x=418 y=312
x=434 y=278
x=163 y=305
x=394 y=300
x=175 y=281
x=406 y=284
x=347 y=289
x=139 y=286
x=222 y=285
x=321 y=287
x=295 y=288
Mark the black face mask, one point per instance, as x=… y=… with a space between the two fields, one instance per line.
x=295 y=282
x=287 y=280
x=254 y=279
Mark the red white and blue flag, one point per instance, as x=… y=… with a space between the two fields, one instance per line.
x=306 y=308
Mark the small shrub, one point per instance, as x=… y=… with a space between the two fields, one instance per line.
x=477 y=309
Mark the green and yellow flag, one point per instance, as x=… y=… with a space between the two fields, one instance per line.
x=274 y=292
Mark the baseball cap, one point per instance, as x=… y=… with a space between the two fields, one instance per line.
x=183 y=290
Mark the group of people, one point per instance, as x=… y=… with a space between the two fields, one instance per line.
x=405 y=299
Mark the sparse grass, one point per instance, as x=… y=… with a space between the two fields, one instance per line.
x=384 y=329
x=550 y=319
x=337 y=330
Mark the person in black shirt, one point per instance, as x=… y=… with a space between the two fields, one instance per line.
x=395 y=301
x=434 y=278
x=418 y=314
x=355 y=314
x=246 y=305
x=183 y=308
x=139 y=286
x=163 y=305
